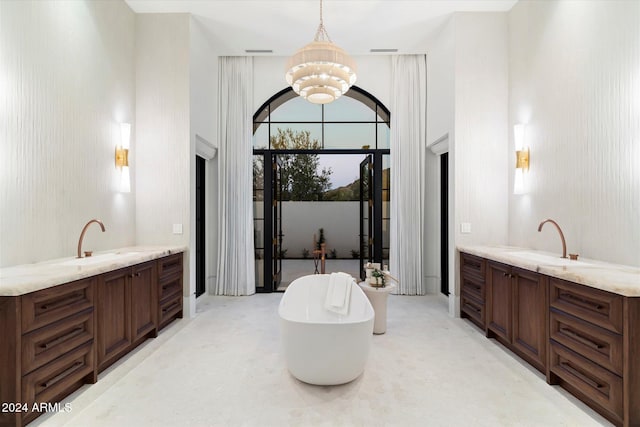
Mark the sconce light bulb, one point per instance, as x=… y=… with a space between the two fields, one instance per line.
x=518 y=136
x=125 y=134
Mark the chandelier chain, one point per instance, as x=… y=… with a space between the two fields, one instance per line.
x=321 y=33
x=320 y=72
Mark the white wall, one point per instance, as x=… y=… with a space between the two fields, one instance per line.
x=66 y=81
x=440 y=84
x=163 y=151
x=479 y=149
x=203 y=71
x=440 y=126
x=575 y=81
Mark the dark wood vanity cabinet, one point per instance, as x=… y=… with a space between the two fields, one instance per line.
x=516 y=307
x=472 y=286
x=47 y=347
x=144 y=300
x=127 y=314
x=595 y=348
x=55 y=340
x=584 y=339
x=169 y=289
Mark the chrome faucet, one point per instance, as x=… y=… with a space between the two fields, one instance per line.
x=564 y=243
x=84 y=230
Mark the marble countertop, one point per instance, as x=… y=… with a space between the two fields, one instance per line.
x=616 y=278
x=25 y=278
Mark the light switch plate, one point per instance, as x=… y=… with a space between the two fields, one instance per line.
x=465 y=227
x=177 y=228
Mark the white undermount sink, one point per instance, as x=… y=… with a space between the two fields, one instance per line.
x=96 y=259
x=542 y=259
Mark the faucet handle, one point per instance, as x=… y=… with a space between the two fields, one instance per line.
x=573 y=257
x=88 y=253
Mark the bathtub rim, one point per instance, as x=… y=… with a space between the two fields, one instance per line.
x=339 y=317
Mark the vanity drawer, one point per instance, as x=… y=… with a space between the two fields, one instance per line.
x=596 y=344
x=169 y=265
x=471 y=264
x=50 y=305
x=473 y=286
x=170 y=285
x=593 y=305
x=595 y=383
x=46 y=344
x=473 y=309
x=169 y=309
x=52 y=382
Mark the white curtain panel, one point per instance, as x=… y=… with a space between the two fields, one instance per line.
x=408 y=142
x=236 y=274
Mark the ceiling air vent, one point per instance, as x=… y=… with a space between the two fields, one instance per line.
x=383 y=50
x=258 y=50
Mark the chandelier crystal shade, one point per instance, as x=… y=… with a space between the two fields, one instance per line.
x=321 y=72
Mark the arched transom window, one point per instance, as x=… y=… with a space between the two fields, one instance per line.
x=356 y=120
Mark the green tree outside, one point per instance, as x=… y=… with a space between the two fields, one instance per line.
x=301 y=178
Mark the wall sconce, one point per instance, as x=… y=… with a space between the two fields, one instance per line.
x=522 y=160
x=122 y=157
x=122 y=151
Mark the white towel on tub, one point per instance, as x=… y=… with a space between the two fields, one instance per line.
x=339 y=293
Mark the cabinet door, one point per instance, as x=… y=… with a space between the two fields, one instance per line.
x=114 y=315
x=529 y=320
x=144 y=299
x=499 y=307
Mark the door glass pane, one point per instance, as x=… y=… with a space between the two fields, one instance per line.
x=258 y=218
x=259 y=262
x=386 y=207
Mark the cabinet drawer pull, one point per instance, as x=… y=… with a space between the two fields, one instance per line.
x=582 y=301
x=171 y=265
x=471 y=285
x=576 y=336
x=71 y=369
x=62 y=302
x=74 y=332
x=473 y=263
x=573 y=371
x=170 y=307
x=472 y=308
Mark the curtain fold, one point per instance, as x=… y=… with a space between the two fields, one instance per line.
x=235 y=274
x=408 y=142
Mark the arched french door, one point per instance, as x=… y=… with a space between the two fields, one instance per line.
x=289 y=130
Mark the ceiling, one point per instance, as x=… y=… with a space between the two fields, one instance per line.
x=286 y=25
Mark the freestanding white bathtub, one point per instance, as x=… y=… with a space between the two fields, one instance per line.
x=322 y=347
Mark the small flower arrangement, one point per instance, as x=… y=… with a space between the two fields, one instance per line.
x=377 y=279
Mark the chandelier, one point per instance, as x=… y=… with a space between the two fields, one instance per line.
x=321 y=72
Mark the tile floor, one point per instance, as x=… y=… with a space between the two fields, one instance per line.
x=224 y=368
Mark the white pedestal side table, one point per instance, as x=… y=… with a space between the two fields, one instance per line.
x=378 y=299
